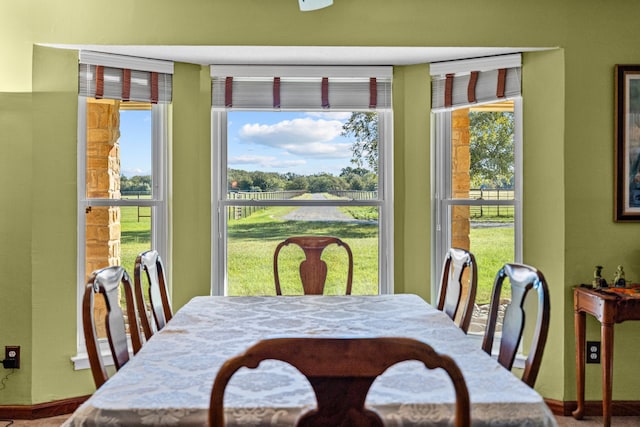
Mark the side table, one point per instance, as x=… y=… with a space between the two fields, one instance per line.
x=609 y=307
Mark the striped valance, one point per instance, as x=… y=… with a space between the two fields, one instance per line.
x=114 y=77
x=301 y=88
x=459 y=84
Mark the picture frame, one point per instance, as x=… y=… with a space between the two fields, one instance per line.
x=627 y=145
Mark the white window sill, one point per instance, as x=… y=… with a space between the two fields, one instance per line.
x=81 y=360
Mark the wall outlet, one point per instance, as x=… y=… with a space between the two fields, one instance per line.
x=11 y=357
x=593 y=351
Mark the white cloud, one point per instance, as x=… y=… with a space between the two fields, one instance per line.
x=335 y=115
x=302 y=137
x=264 y=161
x=319 y=150
x=131 y=172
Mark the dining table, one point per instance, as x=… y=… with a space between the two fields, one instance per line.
x=169 y=381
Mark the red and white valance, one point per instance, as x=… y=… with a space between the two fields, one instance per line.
x=301 y=88
x=460 y=84
x=124 y=78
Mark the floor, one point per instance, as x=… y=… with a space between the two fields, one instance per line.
x=42 y=422
x=597 y=421
x=562 y=422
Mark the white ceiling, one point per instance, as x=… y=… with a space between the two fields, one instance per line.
x=299 y=55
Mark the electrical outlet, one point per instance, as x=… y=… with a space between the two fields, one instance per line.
x=593 y=351
x=11 y=357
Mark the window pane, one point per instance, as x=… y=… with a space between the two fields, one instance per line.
x=115 y=235
x=313 y=157
x=492 y=244
x=118 y=148
x=285 y=153
x=136 y=180
x=118 y=166
x=252 y=240
x=482 y=168
x=482 y=152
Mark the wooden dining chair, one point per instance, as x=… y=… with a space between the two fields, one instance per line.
x=313 y=270
x=452 y=285
x=340 y=371
x=151 y=263
x=106 y=282
x=522 y=278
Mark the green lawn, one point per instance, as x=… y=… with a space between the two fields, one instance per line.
x=492 y=247
x=253 y=240
x=135 y=235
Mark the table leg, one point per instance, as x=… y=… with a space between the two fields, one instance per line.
x=607 y=372
x=579 y=324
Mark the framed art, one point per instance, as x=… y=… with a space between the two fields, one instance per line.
x=627 y=147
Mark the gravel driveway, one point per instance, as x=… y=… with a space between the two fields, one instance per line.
x=318 y=213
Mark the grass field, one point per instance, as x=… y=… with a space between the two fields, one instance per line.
x=492 y=247
x=135 y=235
x=252 y=242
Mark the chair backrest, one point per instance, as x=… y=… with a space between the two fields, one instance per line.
x=340 y=371
x=522 y=278
x=151 y=263
x=106 y=282
x=456 y=262
x=313 y=270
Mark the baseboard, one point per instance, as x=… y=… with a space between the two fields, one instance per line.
x=41 y=410
x=594 y=407
x=67 y=406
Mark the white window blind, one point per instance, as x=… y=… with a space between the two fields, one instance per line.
x=301 y=88
x=458 y=84
x=125 y=78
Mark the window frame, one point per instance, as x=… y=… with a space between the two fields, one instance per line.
x=442 y=185
x=158 y=203
x=220 y=202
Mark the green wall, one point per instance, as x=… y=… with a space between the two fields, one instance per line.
x=15 y=231
x=543 y=195
x=191 y=188
x=568 y=153
x=412 y=183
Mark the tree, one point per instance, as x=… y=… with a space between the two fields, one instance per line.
x=323 y=182
x=297 y=183
x=348 y=171
x=363 y=126
x=259 y=180
x=492 y=149
x=355 y=183
x=139 y=184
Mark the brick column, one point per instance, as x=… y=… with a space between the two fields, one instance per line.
x=102 y=247
x=461 y=183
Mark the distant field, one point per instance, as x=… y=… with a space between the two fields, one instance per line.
x=492 y=247
x=135 y=235
x=252 y=241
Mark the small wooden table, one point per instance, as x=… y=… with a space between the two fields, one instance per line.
x=609 y=308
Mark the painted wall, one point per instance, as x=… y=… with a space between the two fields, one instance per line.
x=568 y=119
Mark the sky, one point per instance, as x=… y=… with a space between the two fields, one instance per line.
x=303 y=143
x=298 y=142
x=135 y=142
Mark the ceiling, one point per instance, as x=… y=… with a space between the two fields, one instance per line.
x=299 y=55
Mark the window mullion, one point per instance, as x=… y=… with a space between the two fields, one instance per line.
x=218 y=189
x=518 y=164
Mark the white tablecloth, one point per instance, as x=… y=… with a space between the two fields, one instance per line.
x=169 y=381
